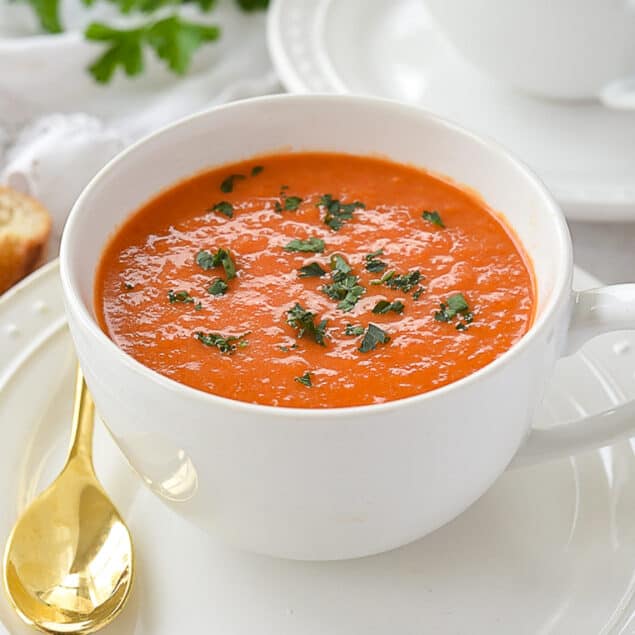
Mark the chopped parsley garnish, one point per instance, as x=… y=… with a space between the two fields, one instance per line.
x=198 y=306
x=455 y=305
x=312 y=270
x=337 y=212
x=387 y=276
x=218 y=287
x=223 y=208
x=304 y=322
x=228 y=184
x=374 y=335
x=289 y=203
x=404 y=282
x=373 y=264
x=207 y=260
x=345 y=286
x=224 y=343
x=417 y=294
x=310 y=244
x=353 y=331
x=434 y=218
x=180 y=296
x=305 y=380
x=383 y=306
x=256 y=170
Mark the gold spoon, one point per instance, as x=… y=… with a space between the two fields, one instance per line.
x=68 y=564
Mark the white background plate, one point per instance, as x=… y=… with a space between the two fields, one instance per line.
x=548 y=549
x=390 y=48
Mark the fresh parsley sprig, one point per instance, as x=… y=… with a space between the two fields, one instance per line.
x=173 y=39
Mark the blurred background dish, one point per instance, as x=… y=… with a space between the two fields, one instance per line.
x=584 y=151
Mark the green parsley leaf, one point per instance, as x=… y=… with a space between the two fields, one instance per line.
x=404 y=282
x=180 y=296
x=173 y=39
x=291 y=203
x=385 y=278
x=253 y=5
x=47 y=12
x=373 y=264
x=418 y=292
x=305 y=380
x=228 y=184
x=206 y=260
x=353 y=331
x=312 y=270
x=456 y=304
x=256 y=170
x=224 y=343
x=224 y=208
x=345 y=286
x=374 y=335
x=434 y=218
x=383 y=306
x=310 y=244
x=337 y=212
x=198 y=306
x=304 y=322
x=218 y=287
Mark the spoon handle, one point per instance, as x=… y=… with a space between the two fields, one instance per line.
x=82 y=433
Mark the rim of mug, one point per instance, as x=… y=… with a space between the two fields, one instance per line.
x=562 y=283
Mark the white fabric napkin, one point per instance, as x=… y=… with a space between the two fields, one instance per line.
x=58 y=126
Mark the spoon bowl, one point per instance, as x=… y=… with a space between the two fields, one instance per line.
x=68 y=565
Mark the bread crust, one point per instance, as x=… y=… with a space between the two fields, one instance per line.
x=25 y=226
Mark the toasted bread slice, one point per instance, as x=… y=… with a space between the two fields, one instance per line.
x=25 y=226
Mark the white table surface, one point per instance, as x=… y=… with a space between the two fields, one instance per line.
x=607 y=250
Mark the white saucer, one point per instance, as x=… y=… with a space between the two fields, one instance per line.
x=585 y=153
x=547 y=550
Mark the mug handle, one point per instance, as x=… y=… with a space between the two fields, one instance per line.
x=619 y=94
x=595 y=311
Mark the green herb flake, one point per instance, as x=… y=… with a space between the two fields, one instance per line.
x=336 y=212
x=180 y=296
x=314 y=245
x=374 y=335
x=226 y=344
x=256 y=170
x=418 y=293
x=218 y=287
x=198 y=306
x=345 y=285
x=404 y=282
x=288 y=349
x=434 y=218
x=305 y=380
x=383 y=306
x=373 y=264
x=304 y=322
x=291 y=203
x=207 y=260
x=385 y=278
x=228 y=184
x=312 y=270
x=353 y=331
x=224 y=208
x=455 y=305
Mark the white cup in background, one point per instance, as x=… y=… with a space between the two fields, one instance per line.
x=563 y=49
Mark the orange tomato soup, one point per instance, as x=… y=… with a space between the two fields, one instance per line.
x=314 y=280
